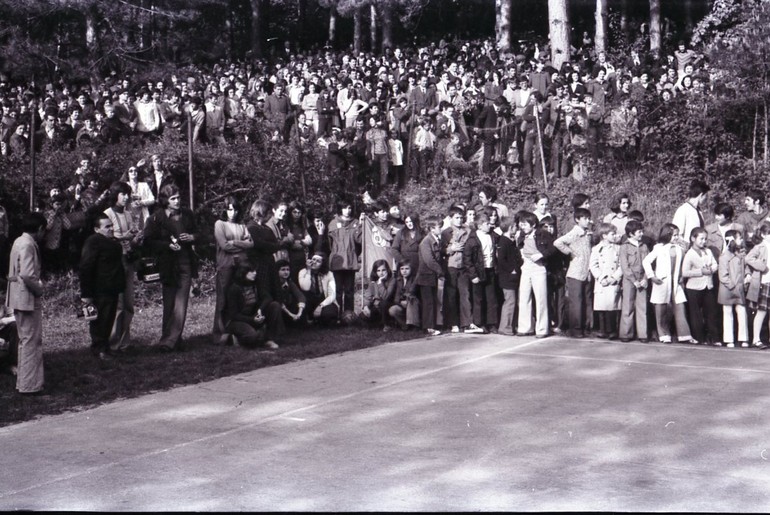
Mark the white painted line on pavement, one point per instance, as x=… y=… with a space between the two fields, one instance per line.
x=285 y=415
x=632 y=362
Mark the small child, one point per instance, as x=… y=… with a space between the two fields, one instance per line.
x=758 y=294
x=406 y=306
x=698 y=269
x=667 y=292
x=509 y=263
x=577 y=245
x=634 y=296
x=536 y=246
x=605 y=268
x=732 y=296
x=429 y=271
x=379 y=295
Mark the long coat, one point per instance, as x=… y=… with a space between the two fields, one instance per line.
x=731 y=274
x=605 y=263
x=671 y=287
x=756 y=260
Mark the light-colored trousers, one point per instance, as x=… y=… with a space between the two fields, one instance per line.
x=533 y=282
x=728 y=323
x=29 y=375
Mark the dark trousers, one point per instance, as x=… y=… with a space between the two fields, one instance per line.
x=175 y=299
x=457 y=298
x=252 y=334
x=485 y=310
x=704 y=315
x=345 y=281
x=100 y=329
x=577 y=296
x=429 y=306
x=329 y=313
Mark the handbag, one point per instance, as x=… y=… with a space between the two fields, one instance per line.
x=148 y=271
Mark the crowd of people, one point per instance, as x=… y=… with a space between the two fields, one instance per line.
x=477 y=268
x=388 y=118
x=392 y=118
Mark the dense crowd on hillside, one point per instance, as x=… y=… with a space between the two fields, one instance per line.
x=402 y=116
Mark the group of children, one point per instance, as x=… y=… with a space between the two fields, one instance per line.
x=478 y=267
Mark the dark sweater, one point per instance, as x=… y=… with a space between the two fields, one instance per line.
x=101 y=267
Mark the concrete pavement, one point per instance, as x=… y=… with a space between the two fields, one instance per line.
x=450 y=423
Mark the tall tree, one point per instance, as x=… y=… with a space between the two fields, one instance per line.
x=655 y=27
x=558 y=28
x=600 y=34
x=256 y=27
x=503 y=25
x=358 y=28
x=372 y=27
x=386 y=13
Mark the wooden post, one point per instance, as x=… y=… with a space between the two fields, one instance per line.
x=32 y=157
x=190 y=158
x=540 y=143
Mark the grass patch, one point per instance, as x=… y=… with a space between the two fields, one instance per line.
x=75 y=380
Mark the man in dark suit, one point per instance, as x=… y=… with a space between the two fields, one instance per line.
x=488 y=126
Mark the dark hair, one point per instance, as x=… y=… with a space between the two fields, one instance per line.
x=696 y=231
x=632 y=226
x=377 y=264
x=116 y=188
x=730 y=235
x=324 y=268
x=455 y=209
x=528 y=217
x=578 y=199
x=481 y=218
x=97 y=219
x=243 y=268
x=32 y=222
x=430 y=222
x=697 y=187
x=666 y=233
x=342 y=203
x=231 y=200
x=636 y=215
x=756 y=195
x=415 y=217
x=165 y=193
x=489 y=210
x=764 y=229
x=505 y=223
x=724 y=209
x=617 y=199
x=489 y=191
x=582 y=212
x=539 y=196
x=281 y=263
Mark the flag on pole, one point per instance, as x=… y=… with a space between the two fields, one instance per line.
x=376 y=245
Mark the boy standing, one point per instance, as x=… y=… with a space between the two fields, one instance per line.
x=633 y=310
x=457 y=302
x=509 y=263
x=577 y=245
x=479 y=264
x=429 y=271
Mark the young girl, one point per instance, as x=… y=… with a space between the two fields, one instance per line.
x=620 y=206
x=379 y=295
x=758 y=294
x=541 y=208
x=732 y=297
x=698 y=268
x=406 y=306
x=667 y=294
x=605 y=268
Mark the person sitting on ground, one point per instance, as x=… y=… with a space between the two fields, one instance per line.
x=320 y=290
x=251 y=314
x=288 y=293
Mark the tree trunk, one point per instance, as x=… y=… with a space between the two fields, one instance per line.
x=230 y=31
x=301 y=22
x=256 y=27
x=600 y=35
x=386 y=11
x=332 y=25
x=765 y=156
x=358 y=30
x=655 y=27
x=503 y=25
x=688 y=23
x=558 y=23
x=373 y=27
x=624 y=20
x=92 y=44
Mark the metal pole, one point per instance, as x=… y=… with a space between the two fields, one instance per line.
x=190 y=157
x=32 y=157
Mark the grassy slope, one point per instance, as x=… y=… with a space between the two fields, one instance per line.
x=75 y=380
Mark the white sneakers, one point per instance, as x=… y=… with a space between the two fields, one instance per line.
x=473 y=329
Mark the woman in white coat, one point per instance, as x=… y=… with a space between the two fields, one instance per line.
x=667 y=292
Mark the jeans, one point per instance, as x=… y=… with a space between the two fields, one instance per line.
x=457 y=301
x=120 y=336
x=507 y=311
x=485 y=300
x=633 y=311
